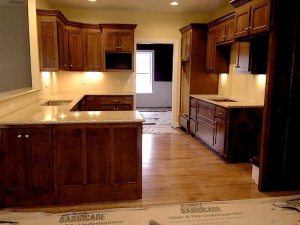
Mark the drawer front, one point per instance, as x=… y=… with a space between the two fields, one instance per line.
x=115 y=107
x=194 y=102
x=221 y=113
x=193 y=113
x=206 y=110
x=115 y=100
x=183 y=121
x=193 y=126
x=205 y=131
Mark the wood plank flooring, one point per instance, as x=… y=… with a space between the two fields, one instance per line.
x=177 y=168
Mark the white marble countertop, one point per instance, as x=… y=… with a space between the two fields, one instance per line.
x=232 y=103
x=37 y=114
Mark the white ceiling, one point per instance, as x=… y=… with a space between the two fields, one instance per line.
x=163 y=6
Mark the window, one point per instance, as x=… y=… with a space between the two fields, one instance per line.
x=144 y=71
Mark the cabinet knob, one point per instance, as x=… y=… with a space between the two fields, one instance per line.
x=26 y=136
x=220 y=113
x=19 y=136
x=71 y=65
x=250 y=27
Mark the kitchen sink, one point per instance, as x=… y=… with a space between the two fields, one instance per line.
x=56 y=103
x=222 y=100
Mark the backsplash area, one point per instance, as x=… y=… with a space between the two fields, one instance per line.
x=250 y=87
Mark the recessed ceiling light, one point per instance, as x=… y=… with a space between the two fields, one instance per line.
x=174 y=3
x=92 y=0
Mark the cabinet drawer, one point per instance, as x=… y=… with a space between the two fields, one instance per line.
x=194 y=102
x=184 y=121
x=115 y=100
x=193 y=113
x=205 y=131
x=221 y=113
x=206 y=110
x=116 y=107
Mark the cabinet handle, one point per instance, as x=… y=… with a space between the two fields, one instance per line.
x=220 y=113
x=71 y=65
x=19 y=136
x=210 y=114
x=250 y=27
x=65 y=65
x=246 y=28
x=26 y=136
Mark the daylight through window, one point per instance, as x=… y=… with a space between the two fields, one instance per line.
x=144 y=71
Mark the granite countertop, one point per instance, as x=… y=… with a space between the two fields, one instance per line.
x=229 y=102
x=37 y=114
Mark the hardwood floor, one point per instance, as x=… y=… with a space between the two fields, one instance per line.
x=177 y=168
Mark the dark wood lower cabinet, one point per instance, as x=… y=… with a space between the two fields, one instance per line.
x=26 y=167
x=66 y=164
x=232 y=133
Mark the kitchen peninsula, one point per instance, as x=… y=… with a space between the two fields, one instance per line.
x=50 y=154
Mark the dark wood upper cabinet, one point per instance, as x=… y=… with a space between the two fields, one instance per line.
x=118 y=40
x=224 y=32
x=63 y=47
x=48 y=46
x=92 y=40
x=186 y=46
x=117 y=47
x=251 y=17
x=76 y=49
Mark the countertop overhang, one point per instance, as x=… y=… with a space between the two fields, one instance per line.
x=35 y=114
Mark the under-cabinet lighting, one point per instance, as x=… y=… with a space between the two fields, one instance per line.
x=93 y=75
x=76 y=114
x=62 y=116
x=92 y=0
x=174 y=3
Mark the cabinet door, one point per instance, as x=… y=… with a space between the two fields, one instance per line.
x=229 y=36
x=220 y=33
x=126 y=41
x=186 y=46
x=12 y=158
x=110 y=41
x=48 y=49
x=260 y=17
x=243 y=58
x=242 y=22
x=27 y=167
x=219 y=136
x=92 y=40
x=76 y=55
x=39 y=160
x=210 y=52
x=63 y=47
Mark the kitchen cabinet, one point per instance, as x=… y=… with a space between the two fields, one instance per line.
x=193 y=78
x=76 y=48
x=279 y=161
x=252 y=57
x=224 y=32
x=219 y=39
x=186 y=45
x=251 y=18
x=105 y=163
x=92 y=40
x=26 y=161
x=63 y=46
x=48 y=46
x=106 y=103
x=69 y=164
x=118 y=46
x=232 y=133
